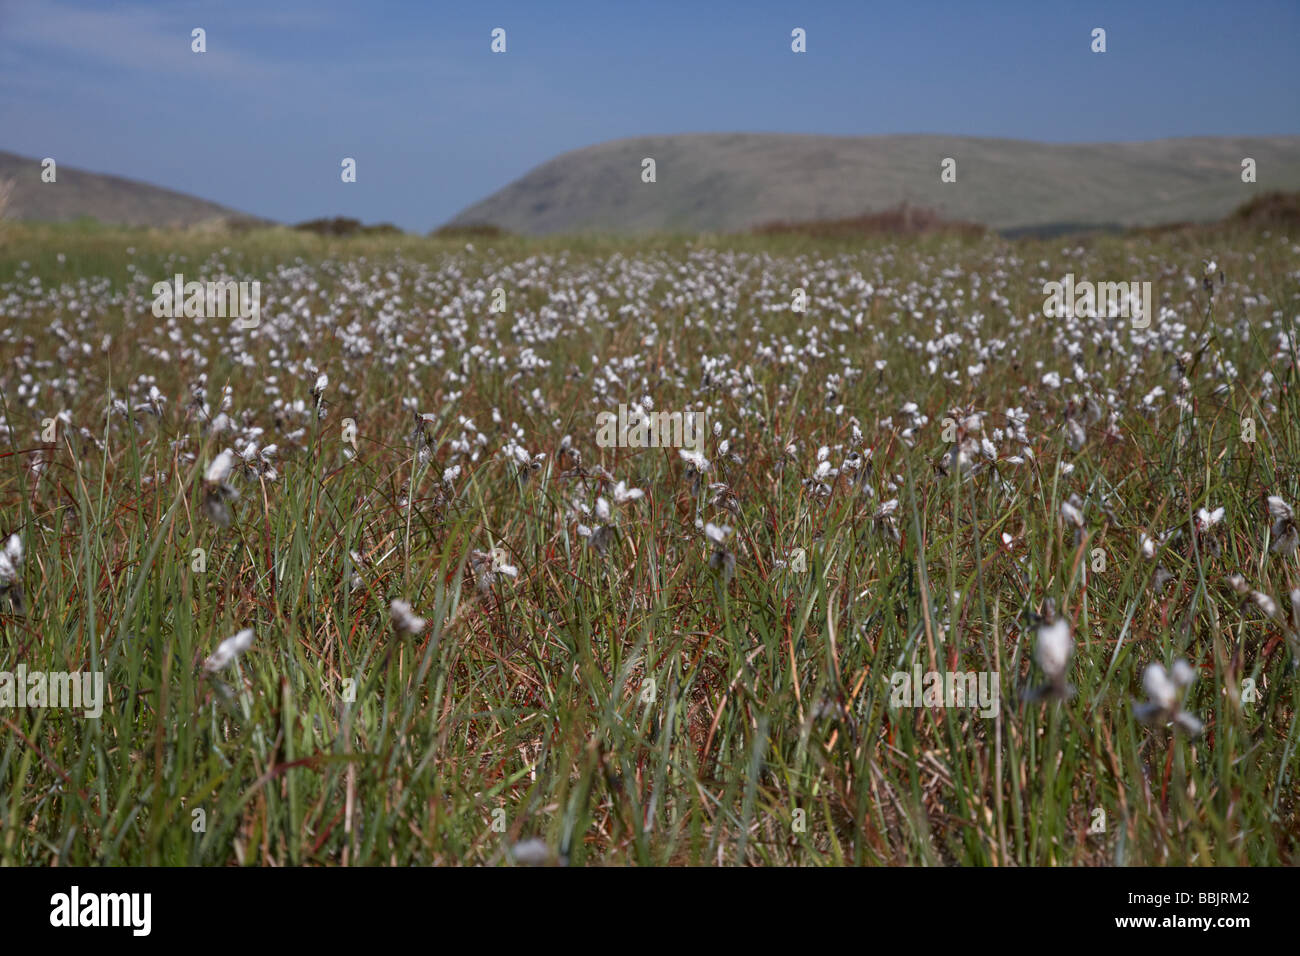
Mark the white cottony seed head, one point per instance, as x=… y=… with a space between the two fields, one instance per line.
x=1159 y=687
x=1205 y=520
x=219 y=469
x=404 y=620
x=716 y=534
x=228 y=650
x=1183 y=673
x=11 y=559
x=501 y=563
x=1264 y=603
x=1163 y=705
x=1148 y=547
x=624 y=494
x=531 y=852
x=1054 y=648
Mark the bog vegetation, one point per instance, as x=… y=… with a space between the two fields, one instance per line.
x=364 y=589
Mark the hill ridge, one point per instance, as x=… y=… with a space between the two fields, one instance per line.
x=106 y=197
x=725 y=182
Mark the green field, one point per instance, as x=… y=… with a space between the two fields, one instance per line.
x=895 y=466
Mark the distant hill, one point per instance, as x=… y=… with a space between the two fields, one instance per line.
x=111 y=199
x=727 y=182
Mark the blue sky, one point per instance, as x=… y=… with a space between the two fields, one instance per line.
x=436 y=121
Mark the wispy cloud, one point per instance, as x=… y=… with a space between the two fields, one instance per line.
x=137 y=38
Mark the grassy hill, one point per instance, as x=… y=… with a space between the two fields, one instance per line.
x=730 y=182
x=79 y=194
